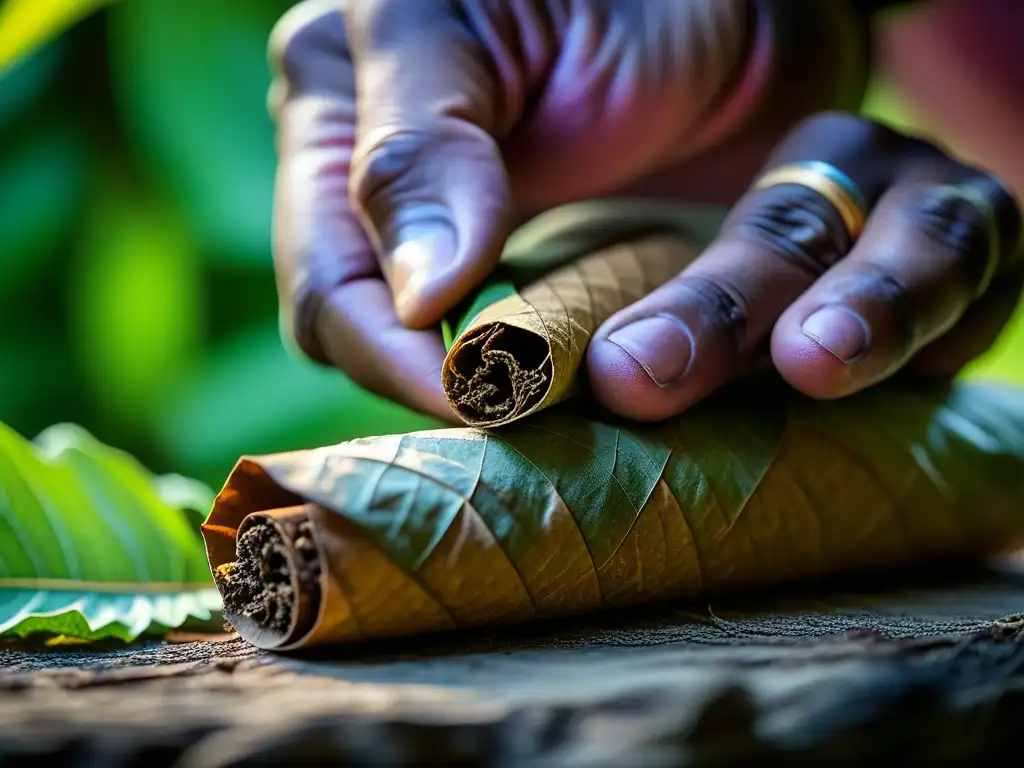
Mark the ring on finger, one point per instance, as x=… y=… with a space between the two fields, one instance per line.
x=829 y=182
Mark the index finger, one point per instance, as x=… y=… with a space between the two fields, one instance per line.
x=361 y=334
x=334 y=302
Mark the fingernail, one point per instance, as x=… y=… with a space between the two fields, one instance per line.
x=662 y=345
x=416 y=262
x=839 y=330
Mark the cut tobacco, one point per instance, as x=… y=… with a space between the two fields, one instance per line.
x=497 y=373
x=275 y=578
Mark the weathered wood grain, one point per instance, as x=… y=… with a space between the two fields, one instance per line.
x=935 y=672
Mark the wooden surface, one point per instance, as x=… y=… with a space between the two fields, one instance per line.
x=926 y=672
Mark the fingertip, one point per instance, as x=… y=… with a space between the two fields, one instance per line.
x=440 y=209
x=361 y=335
x=426 y=299
x=416 y=266
x=622 y=385
x=808 y=366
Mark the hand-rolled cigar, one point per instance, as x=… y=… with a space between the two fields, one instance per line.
x=522 y=353
x=557 y=515
x=273 y=584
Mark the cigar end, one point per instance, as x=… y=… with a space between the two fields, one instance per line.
x=272 y=588
x=497 y=373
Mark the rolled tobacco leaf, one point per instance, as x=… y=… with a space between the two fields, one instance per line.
x=521 y=353
x=557 y=514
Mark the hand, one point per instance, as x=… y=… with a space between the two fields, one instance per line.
x=931 y=281
x=414 y=134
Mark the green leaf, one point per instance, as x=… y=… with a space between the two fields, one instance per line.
x=88 y=548
x=48 y=167
x=604 y=476
x=131 y=352
x=27 y=24
x=95 y=615
x=190 y=79
x=22 y=83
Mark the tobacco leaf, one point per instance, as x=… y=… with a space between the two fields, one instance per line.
x=92 y=545
x=518 y=344
x=559 y=513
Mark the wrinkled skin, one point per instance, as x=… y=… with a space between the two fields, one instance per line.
x=415 y=136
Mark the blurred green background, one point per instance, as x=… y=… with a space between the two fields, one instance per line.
x=136 y=285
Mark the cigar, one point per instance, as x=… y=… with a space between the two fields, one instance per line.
x=559 y=515
x=524 y=353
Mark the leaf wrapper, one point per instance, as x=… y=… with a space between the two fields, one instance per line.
x=557 y=515
x=522 y=353
x=522 y=339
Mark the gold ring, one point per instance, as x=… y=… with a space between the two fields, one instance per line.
x=829 y=182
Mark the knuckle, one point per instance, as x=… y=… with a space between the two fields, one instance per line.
x=857 y=135
x=919 y=152
x=832 y=121
x=306 y=46
x=299 y=323
x=885 y=287
x=798 y=226
x=877 y=285
x=385 y=167
x=718 y=303
x=952 y=223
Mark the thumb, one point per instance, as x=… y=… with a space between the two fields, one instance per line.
x=427 y=174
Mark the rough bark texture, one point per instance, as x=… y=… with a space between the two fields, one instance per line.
x=935 y=673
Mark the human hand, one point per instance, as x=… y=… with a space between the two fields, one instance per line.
x=930 y=282
x=415 y=134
